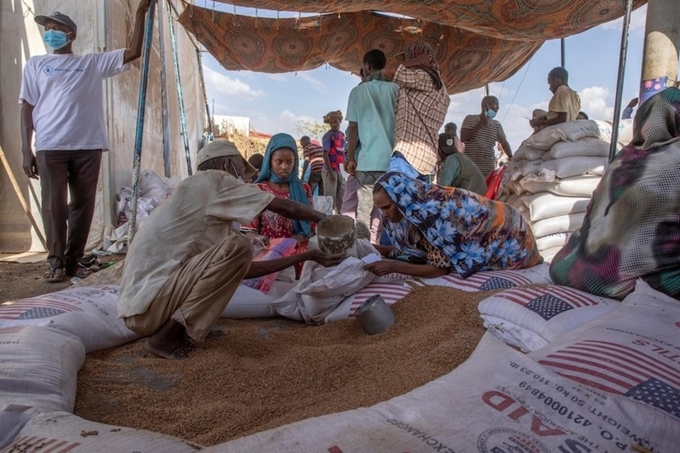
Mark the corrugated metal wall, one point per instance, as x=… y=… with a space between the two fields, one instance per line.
x=102 y=25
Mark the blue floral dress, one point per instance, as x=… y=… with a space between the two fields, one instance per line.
x=474 y=233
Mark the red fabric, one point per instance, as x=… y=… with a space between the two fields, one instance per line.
x=493 y=182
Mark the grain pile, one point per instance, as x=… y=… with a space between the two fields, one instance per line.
x=267 y=373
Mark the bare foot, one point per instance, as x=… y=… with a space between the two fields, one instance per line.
x=173 y=350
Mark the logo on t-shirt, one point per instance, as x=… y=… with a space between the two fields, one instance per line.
x=49 y=70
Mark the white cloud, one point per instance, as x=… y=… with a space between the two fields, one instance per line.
x=317 y=84
x=278 y=77
x=223 y=88
x=638 y=19
x=594 y=103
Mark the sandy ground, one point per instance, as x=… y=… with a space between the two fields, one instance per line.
x=18 y=280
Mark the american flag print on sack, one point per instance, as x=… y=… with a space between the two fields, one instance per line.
x=549 y=301
x=620 y=369
x=37 y=308
x=24 y=443
x=488 y=281
x=390 y=292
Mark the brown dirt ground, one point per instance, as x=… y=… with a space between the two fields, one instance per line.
x=19 y=280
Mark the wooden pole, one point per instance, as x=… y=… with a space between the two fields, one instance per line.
x=22 y=200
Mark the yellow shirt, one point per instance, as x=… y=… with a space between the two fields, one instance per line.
x=565 y=100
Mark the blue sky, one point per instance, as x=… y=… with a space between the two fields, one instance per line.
x=276 y=102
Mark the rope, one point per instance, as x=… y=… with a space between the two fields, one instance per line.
x=518 y=88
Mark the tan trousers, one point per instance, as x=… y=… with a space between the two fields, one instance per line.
x=196 y=294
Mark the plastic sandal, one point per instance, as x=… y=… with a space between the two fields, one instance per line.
x=54 y=275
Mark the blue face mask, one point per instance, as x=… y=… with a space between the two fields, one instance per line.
x=56 y=39
x=490 y=114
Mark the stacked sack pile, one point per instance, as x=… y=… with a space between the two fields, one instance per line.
x=552 y=176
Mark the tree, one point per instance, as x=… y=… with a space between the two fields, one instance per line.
x=314 y=129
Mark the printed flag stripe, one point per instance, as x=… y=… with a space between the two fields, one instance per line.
x=640 y=377
x=573 y=295
x=25 y=442
x=524 y=295
x=477 y=280
x=629 y=358
x=39 y=303
x=588 y=372
x=642 y=357
x=521 y=296
x=581 y=353
x=589 y=383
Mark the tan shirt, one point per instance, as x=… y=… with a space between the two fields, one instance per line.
x=421 y=110
x=565 y=100
x=197 y=216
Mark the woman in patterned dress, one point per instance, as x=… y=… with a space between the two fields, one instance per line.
x=279 y=176
x=437 y=229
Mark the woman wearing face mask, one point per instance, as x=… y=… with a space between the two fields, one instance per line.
x=279 y=176
x=480 y=133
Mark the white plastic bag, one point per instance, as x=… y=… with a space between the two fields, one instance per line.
x=321 y=289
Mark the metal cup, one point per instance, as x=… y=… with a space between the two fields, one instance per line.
x=374 y=315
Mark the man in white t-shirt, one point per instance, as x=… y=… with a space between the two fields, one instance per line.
x=61 y=101
x=187 y=261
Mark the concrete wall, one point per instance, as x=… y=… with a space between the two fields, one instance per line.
x=102 y=25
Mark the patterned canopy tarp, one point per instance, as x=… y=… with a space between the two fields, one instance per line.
x=477 y=41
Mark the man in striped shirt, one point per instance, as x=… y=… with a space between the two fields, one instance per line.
x=313 y=155
x=480 y=133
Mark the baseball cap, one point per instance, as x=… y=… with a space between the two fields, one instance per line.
x=447 y=144
x=223 y=148
x=57 y=17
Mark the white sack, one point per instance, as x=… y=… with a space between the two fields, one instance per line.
x=492 y=280
x=391 y=290
x=323 y=204
x=549 y=254
x=321 y=289
x=88 y=312
x=570 y=131
x=551 y=241
x=528 y=153
x=562 y=224
x=532 y=167
x=249 y=303
x=531 y=317
x=586 y=147
x=633 y=351
x=38 y=371
x=625 y=132
x=514 y=169
x=497 y=401
x=545 y=205
x=577 y=186
x=567 y=167
x=72 y=434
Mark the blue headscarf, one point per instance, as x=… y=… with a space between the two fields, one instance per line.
x=297 y=191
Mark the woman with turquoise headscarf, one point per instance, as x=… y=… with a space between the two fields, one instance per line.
x=279 y=176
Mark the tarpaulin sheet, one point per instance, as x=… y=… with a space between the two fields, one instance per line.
x=490 y=41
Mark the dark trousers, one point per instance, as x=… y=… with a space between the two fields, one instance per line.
x=77 y=171
x=315 y=179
